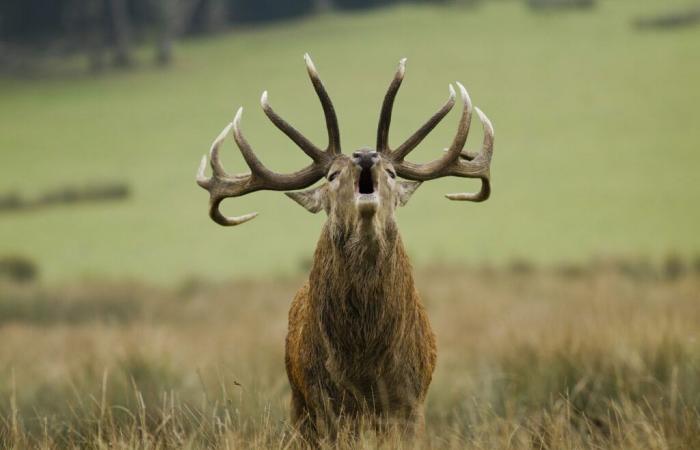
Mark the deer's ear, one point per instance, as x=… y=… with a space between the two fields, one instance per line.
x=406 y=189
x=314 y=199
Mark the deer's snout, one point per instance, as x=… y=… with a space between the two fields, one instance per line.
x=365 y=159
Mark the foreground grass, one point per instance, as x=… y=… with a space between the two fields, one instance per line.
x=606 y=358
x=596 y=148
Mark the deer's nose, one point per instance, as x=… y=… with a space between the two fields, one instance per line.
x=365 y=159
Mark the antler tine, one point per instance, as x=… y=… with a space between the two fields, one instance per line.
x=483 y=194
x=416 y=138
x=214 y=201
x=479 y=163
x=479 y=166
x=292 y=133
x=220 y=182
x=216 y=166
x=438 y=167
x=256 y=167
x=327 y=105
x=232 y=221
x=202 y=180
x=387 y=107
x=462 y=130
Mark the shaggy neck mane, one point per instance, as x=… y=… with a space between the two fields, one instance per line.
x=362 y=290
x=365 y=268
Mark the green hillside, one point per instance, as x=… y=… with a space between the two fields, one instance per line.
x=596 y=140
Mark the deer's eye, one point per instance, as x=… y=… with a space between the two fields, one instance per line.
x=391 y=173
x=333 y=175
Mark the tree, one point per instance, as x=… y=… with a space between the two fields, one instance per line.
x=121 y=30
x=171 y=19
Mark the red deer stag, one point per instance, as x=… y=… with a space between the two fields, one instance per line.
x=359 y=346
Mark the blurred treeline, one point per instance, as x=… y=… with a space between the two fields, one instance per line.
x=107 y=30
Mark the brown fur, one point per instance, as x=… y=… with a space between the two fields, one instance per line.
x=359 y=346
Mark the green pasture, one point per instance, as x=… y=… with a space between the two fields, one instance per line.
x=597 y=131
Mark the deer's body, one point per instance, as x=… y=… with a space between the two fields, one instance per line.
x=359 y=341
x=359 y=347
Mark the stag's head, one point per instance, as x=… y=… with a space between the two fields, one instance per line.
x=363 y=189
x=359 y=195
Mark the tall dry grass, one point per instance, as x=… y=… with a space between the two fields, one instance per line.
x=599 y=358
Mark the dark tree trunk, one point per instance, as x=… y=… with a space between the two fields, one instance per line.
x=122 y=32
x=323 y=5
x=173 y=18
x=208 y=15
x=216 y=15
x=95 y=35
x=167 y=13
x=84 y=22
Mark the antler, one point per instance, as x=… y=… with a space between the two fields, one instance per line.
x=222 y=185
x=455 y=161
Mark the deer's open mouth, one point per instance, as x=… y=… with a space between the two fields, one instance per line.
x=366 y=192
x=365 y=184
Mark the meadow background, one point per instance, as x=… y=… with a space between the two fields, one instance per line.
x=567 y=307
x=595 y=124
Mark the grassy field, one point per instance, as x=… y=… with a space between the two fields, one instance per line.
x=596 y=149
x=605 y=357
